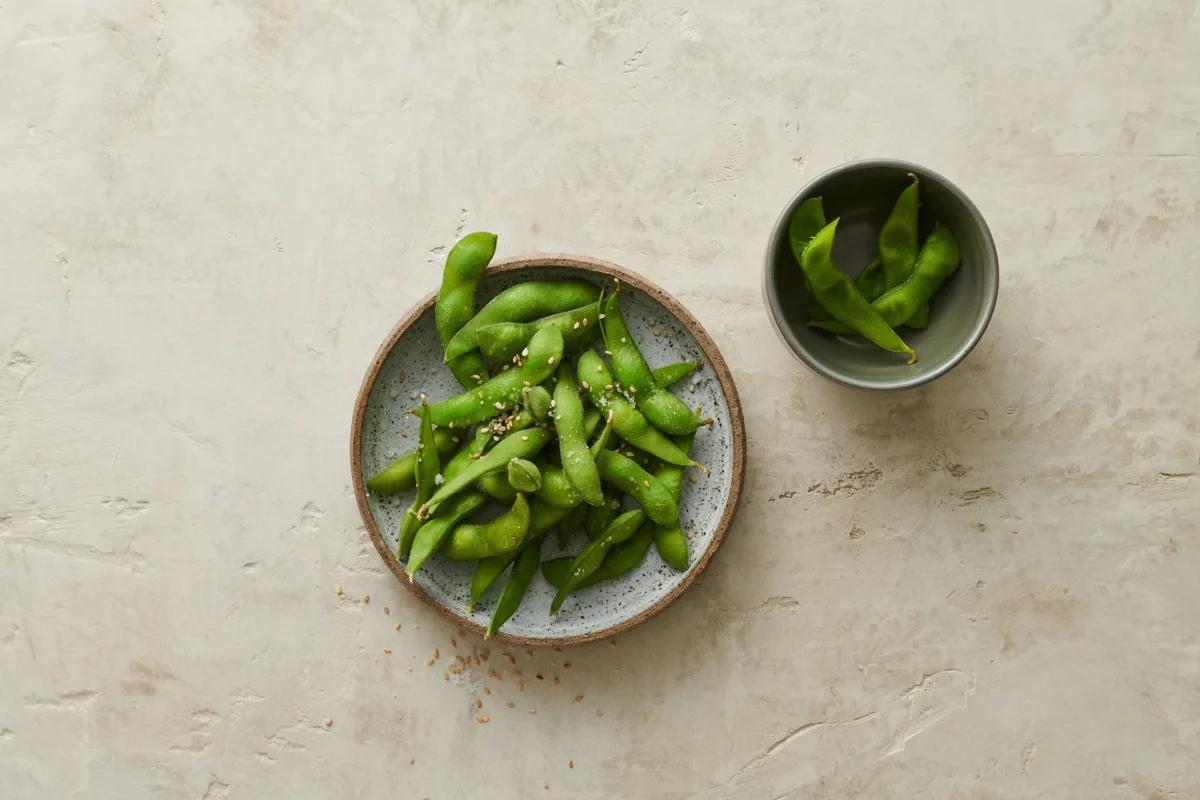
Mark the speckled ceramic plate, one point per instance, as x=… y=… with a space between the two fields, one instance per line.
x=410 y=362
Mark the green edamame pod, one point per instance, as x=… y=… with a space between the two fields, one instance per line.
x=898 y=238
x=840 y=298
x=431 y=535
x=521 y=303
x=501 y=341
x=628 y=423
x=664 y=410
x=671 y=540
x=537 y=400
x=504 y=390
x=518 y=444
x=524 y=475
x=497 y=537
x=670 y=374
x=919 y=321
x=465 y=264
x=515 y=588
x=401 y=474
x=600 y=517
x=541 y=519
x=620 y=560
x=496 y=486
x=937 y=261
x=871 y=281
x=628 y=476
x=571 y=523
x=428 y=468
x=592 y=556
x=577 y=462
x=557 y=490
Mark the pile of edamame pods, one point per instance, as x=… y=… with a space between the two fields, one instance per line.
x=521 y=435
x=894 y=289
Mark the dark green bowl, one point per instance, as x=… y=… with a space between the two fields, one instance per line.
x=862 y=193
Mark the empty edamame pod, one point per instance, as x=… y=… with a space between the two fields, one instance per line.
x=579 y=327
x=428 y=468
x=664 y=410
x=496 y=537
x=401 y=474
x=628 y=423
x=898 y=238
x=504 y=390
x=465 y=264
x=840 y=298
x=521 y=303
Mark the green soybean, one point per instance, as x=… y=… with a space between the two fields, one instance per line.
x=428 y=468
x=431 y=535
x=465 y=264
x=541 y=519
x=671 y=540
x=898 y=238
x=538 y=401
x=664 y=410
x=497 y=537
x=524 y=475
x=516 y=587
x=401 y=474
x=518 y=444
x=521 y=303
x=592 y=556
x=577 y=462
x=501 y=341
x=628 y=476
x=504 y=390
x=671 y=374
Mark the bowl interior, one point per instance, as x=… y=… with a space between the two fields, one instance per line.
x=862 y=195
x=414 y=365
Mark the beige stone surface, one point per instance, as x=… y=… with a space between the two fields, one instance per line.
x=212 y=212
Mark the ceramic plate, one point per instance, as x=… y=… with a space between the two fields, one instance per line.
x=410 y=362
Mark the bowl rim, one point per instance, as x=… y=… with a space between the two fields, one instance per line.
x=715 y=361
x=775 y=312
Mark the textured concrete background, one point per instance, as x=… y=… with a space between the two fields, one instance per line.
x=212 y=212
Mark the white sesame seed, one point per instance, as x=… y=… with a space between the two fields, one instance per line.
x=525 y=352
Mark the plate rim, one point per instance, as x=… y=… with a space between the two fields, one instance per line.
x=716 y=362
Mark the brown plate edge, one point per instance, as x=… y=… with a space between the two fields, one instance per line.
x=716 y=363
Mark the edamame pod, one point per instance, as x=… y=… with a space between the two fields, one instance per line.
x=577 y=462
x=519 y=444
x=579 y=327
x=671 y=540
x=515 y=588
x=455 y=305
x=497 y=537
x=670 y=374
x=401 y=474
x=628 y=476
x=592 y=556
x=837 y=294
x=431 y=535
x=541 y=519
x=521 y=303
x=898 y=238
x=628 y=423
x=664 y=410
x=428 y=468
x=504 y=390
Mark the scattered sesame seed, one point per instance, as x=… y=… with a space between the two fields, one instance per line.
x=366 y=598
x=437 y=653
x=578 y=698
x=412 y=761
x=524 y=438
x=556 y=680
x=329 y=723
x=575 y=327
x=453 y=642
x=339 y=591
x=387 y=610
x=550 y=360
x=511 y=704
x=478 y=703
x=387 y=650
x=498 y=404
x=446 y=676
x=571 y=764
x=477 y=377
x=531 y=710
x=585 y=385
x=567 y=665
x=633 y=389
x=599 y=713
x=646 y=483
x=601 y=316
x=520 y=686
x=486 y=690
x=525 y=352
x=397 y=626
x=429 y=663
x=483 y=719
x=585 y=322
x=600 y=367
x=438 y=479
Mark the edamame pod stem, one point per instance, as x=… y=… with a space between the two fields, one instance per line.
x=898 y=238
x=670 y=374
x=518 y=444
x=592 y=556
x=428 y=467
x=840 y=298
x=579 y=327
x=515 y=588
x=401 y=474
x=541 y=519
x=577 y=462
x=465 y=264
x=497 y=537
x=628 y=476
x=671 y=540
x=664 y=410
x=628 y=423
x=431 y=535
x=504 y=390
x=937 y=261
x=521 y=303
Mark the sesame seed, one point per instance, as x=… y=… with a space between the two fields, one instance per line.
x=571 y=764
x=531 y=710
x=511 y=704
x=397 y=626
x=339 y=591
x=483 y=719
x=486 y=690
x=329 y=723
x=446 y=676
x=453 y=642
x=429 y=663
x=585 y=385
x=550 y=360
x=387 y=610
x=520 y=686
x=477 y=377
x=600 y=367
x=366 y=598
x=599 y=713
x=601 y=316
x=412 y=761
x=556 y=680
x=575 y=327
x=478 y=703
x=524 y=438
x=585 y=322
x=498 y=404
x=578 y=698
x=438 y=479
x=646 y=483
x=437 y=653
x=525 y=352
x=387 y=650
